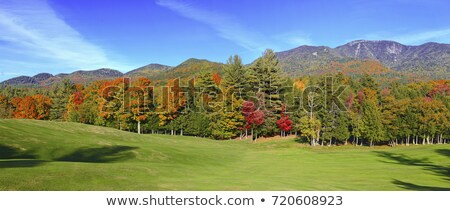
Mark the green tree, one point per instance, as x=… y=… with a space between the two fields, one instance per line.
x=235 y=77
x=60 y=94
x=341 y=131
x=270 y=81
x=373 y=130
x=5 y=111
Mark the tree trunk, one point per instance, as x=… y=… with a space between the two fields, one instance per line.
x=139 y=127
x=318 y=136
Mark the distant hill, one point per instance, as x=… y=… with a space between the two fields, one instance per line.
x=148 y=71
x=161 y=73
x=190 y=68
x=431 y=59
x=85 y=76
x=156 y=72
x=42 y=76
x=27 y=80
x=80 y=76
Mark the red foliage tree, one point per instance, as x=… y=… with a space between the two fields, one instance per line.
x=248 y=107
x=253 y=117
x=284 y=123
x=439 y=88
x=77 y=98
x=360 y=97
x=349 y=101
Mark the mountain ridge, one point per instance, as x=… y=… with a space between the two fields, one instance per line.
x=430 y=59
x=427 y=58
x=154 y=71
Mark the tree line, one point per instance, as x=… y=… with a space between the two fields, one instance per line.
x=248 y=102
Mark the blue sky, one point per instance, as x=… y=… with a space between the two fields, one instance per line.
x=65 y=35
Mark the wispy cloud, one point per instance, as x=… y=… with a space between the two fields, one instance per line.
x=414 y=38
x=426 y=36
x=294 y=38
x=32 y=29
x=231 y=29
x=222 y=23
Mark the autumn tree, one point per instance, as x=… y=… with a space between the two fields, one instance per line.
x=32 y=107
x=110 y=97
x=309 y=128
x=226 y=125
x=253 y=118
x=210 y=93
x=139 y=101
x=173 y=101
x=284 y=123
x=216 y=78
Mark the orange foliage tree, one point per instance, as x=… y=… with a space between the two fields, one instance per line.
x=216 y=78
x=31 y=107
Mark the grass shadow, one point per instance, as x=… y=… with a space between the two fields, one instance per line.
x=20 y=163
x=301 y=140
x=445 y=152
x=411 y=186
x=13 y=157
x=401 y=159
x=9 y=152
x=104 y=154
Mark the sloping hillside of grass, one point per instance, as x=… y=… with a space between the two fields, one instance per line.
x=45 y=155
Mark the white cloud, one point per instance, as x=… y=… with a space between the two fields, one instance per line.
x=32 y=29
x=414 y=38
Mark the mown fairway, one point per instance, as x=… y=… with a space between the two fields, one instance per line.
x=43 y=155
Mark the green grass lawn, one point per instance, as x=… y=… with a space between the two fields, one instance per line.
x=44 y=155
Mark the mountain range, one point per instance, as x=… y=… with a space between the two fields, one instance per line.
x=431 y=60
